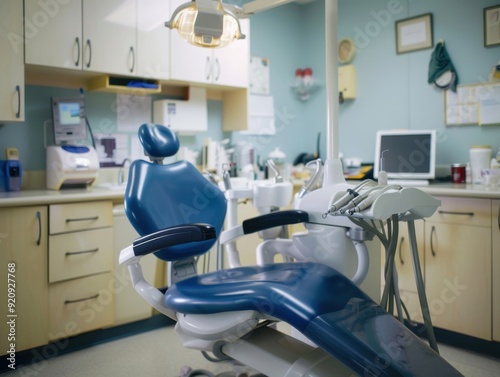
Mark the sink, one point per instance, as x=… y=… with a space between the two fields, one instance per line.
x=111 y=186
x=267 y=194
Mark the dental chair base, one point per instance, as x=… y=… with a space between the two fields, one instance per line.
x=339 y=318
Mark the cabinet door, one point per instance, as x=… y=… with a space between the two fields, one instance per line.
x=458 y=277
x=231 y=64
x=53 y=32
x=23 y=242
x=153 y=39
x=109 y=32
x=11 y=61
x=495 y=229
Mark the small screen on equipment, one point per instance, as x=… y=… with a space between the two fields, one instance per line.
x=68 y=115
x=406 y=154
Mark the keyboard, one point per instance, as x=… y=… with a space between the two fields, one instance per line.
x=408 y=182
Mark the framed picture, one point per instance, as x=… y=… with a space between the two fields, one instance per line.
x=492 y=26
x=413 y=34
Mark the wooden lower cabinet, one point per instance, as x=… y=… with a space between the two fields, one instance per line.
x=458 y=246
x=458 y=278
x=23 y=250
x=80 y=305
x=495 y=230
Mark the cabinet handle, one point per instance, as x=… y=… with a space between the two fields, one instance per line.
x=66 y=302
x=399 y=251
x=207 y=68
x=433 y=230
x=89 y=49
x=77 y=41
x=456 y=213
x=133 y=58
x=217 y=65
x=39 y=218
x=83 y=219
x=18 y=90
x=498 y=217
x=69 y=253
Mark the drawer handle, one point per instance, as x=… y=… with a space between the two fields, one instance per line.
x=83 y=219
x=81 y=299
x=456 y=213
x=82 y=252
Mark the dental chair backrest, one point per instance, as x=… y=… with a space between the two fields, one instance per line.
x=160 y=196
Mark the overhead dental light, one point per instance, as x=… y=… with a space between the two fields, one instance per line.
x=206 y=23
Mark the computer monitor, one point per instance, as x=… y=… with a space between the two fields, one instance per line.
x=68 y=115
x=406 y=154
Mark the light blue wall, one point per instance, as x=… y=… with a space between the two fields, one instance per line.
x=392 y=89
x=30 y=136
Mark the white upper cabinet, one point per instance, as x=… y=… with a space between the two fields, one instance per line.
x=228 y=66
x=109 y=33
x=93 y=35
x=53 y=33
x=231 y=64
x=11 y=61
x=153 y=39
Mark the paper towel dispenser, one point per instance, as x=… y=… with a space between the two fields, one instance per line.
x=183 y=116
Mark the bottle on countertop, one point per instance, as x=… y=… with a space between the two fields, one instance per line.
x=468 y=173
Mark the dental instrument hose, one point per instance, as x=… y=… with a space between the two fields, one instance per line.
x=424 y=305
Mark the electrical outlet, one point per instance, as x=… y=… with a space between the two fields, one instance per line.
x=11 y=153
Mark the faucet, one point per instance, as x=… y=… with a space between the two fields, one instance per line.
x=121 y=173
x=278 y=178
x=316 y=176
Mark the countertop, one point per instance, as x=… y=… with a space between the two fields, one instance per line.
x=41 y=197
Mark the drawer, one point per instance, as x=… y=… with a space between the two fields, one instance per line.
x=79 y=216
x=77 y=254
x=80 y=305
x=467 y=211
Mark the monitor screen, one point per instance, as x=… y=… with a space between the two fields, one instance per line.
x=68 y=115
x=406 y=154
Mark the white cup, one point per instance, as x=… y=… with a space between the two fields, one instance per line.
x=480 y=157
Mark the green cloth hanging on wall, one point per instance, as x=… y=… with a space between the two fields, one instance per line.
x=439 y=64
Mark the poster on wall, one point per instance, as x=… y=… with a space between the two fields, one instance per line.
x=259 y=75
x=492 y=26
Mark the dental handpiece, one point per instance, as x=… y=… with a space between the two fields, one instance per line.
x=349 y=195
x=358 y=199
x=368 y=201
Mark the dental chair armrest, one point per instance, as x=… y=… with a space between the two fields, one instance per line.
x=172 y=236
x=274 y=219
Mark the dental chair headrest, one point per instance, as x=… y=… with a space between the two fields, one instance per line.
x=158 y=141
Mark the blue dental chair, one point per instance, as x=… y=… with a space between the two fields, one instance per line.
x=179 y=215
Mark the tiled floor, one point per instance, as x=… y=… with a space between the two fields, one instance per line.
x=158 y=353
